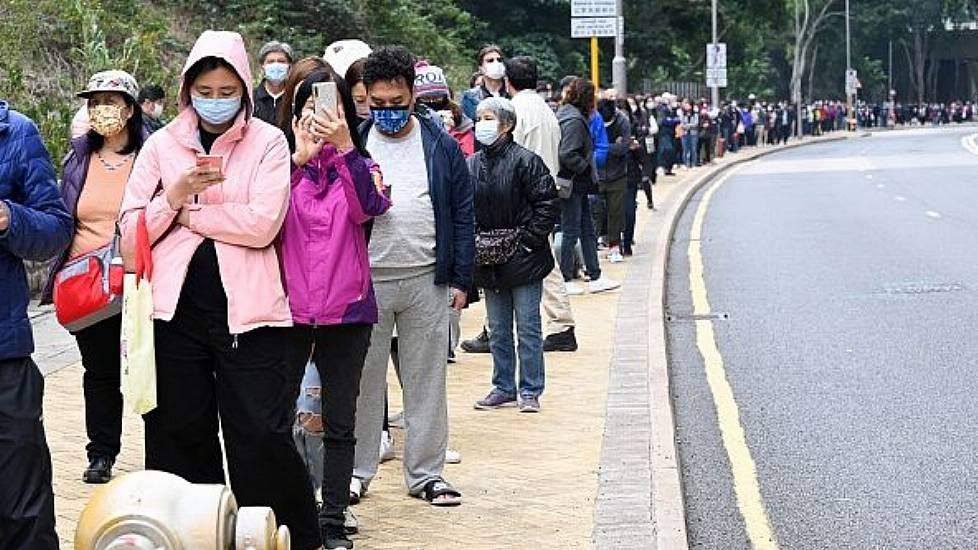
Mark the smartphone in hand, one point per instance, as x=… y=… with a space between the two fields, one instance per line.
x=324 y=96
x=214 y=162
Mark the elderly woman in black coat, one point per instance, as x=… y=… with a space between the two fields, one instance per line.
x=515 y=211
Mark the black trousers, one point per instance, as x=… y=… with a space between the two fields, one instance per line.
x=339 y=352
x=204 y=373
x=99 y=347
x=26 y=497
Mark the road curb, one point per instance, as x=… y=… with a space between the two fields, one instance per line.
x=668 y=508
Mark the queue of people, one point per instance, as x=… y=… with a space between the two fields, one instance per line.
x=325 y=243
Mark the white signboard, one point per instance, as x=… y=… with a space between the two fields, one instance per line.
x=586 y=27
x=716 y=56
x=716 y=78
x=852 y=81
x=592 y=8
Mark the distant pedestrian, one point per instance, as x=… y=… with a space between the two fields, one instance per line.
x=275 y=59
x=150 y=101
x=34 y=226
x=490 y=80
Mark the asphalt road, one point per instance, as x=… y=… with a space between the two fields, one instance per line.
x=849 y=272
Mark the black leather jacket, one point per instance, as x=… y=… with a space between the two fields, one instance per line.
x=514 y=190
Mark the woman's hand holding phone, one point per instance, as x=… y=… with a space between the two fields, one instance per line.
x=193 y=181
x=307 y=144
x=330 y=126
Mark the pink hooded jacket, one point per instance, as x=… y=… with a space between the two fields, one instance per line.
x=242 y=215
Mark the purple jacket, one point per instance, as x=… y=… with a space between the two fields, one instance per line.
x=75 y=172
x=323 y=242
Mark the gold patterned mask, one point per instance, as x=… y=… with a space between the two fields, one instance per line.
x=106 y=119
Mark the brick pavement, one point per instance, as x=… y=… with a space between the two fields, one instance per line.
x=529 y=481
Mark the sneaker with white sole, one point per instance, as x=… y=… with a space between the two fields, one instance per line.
x=386 y=447
x=615 y=257
x=573 y=289
x=452 y=456
x=351 y=525
x=396 y=420
x=602 y=284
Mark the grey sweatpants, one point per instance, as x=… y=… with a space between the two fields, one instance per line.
x=418 y=308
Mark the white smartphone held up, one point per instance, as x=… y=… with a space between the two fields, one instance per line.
x=324 y=96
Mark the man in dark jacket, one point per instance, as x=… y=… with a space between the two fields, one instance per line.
x=275 y=59
x=34 y=225
x=421 y=257
x=612 y=177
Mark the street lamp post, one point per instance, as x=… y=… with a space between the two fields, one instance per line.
x=849 y=99
x=619 y=72
x=715 y=91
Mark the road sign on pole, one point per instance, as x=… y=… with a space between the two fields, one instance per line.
x=716 y=65
x=852 y=82
x=592 y=8
x=586 y=27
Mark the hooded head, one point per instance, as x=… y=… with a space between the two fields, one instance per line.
x=227 y=50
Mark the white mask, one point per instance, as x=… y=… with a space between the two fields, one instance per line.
x=157 y=111
x=495 y=70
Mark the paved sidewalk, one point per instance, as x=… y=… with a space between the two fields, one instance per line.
x=529 y=481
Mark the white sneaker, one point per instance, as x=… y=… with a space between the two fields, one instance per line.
x=615 y=257
x=573 y=289
x=452 y=456
x=351 y=526
x=603 y=284
x=386 y=447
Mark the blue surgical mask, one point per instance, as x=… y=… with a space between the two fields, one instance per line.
x=216 y=111
x=390 y=120
x=487 y=132
x=276 y=72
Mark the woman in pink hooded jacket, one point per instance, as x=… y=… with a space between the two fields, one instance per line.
x=221 y=314
x=327 y=274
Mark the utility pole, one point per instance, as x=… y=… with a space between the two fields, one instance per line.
x=796 y=92
x=714 y=91
x=619 y=73
x=849 y=98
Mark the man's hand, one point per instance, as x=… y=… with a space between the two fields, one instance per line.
x=4 y=216
x=459 y=297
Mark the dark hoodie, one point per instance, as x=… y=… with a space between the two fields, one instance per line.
x=576 y=152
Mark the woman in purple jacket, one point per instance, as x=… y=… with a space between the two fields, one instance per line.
x=327 y=276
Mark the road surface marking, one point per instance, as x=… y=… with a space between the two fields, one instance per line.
x=744 y=470
x=880 y=186
x=899 y=198
x=869 y=176
x=970 y=143
x=933 y=214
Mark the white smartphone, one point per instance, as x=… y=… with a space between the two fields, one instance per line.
x=324 y=96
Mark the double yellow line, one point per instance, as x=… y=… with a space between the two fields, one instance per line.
x=746 y=486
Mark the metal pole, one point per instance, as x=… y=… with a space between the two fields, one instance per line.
x=849 y=98
x=796 y=92
x=595 y=67
x=889 y=75
x=714 y=91
x=619 y=73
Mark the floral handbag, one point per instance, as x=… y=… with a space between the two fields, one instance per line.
x=496 y=246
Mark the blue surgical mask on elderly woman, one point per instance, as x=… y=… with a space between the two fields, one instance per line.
x=216 y=111
x=487 y=131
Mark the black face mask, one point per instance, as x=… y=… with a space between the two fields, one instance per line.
x=607 y=110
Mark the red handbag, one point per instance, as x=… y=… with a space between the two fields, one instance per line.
x=88 y=289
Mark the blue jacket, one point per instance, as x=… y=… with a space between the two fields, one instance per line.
x=451 y=193
x=40 y=226
x=600 y=138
